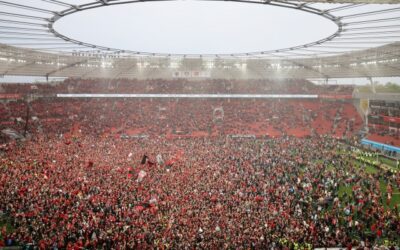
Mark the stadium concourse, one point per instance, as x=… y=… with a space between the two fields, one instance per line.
x=184 y=173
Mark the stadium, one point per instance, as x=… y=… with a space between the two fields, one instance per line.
x=120 y=129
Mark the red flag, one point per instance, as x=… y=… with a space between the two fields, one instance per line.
x=139 y=209
x=214 y=198
x=154 y=210
x=259 y=198
x=177 y=157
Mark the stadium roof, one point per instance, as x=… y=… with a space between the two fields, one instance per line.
x=365 y=44
x=375 y=62
x=353 y=1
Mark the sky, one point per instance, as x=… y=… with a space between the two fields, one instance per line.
x=195 y=27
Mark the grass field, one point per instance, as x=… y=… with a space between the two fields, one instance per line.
x=373 y=170
x=387 y=161
x=8 y=226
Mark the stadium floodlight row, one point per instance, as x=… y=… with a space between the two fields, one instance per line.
x=374 y=62
x=365 y=44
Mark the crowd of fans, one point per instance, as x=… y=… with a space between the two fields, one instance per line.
x=180 y=86
x=184 y=117
x=209 y=193
x=84 y=178
x=274 y=117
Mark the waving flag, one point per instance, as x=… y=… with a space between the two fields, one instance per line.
x=141 y=175
x=12 y=133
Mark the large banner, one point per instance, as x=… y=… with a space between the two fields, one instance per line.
x=333 y=96
x=364 y=105
x=191 y=74
x=391 y=119
x=379 y=145
x=10 y=96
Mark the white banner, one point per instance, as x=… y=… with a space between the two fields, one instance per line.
x=222 y=96
x=191 y=74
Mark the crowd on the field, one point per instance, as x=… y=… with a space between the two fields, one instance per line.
x=199 y=193
x=84 y=180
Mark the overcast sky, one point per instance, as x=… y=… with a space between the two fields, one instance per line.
x=203 y=27
x=195 y=27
